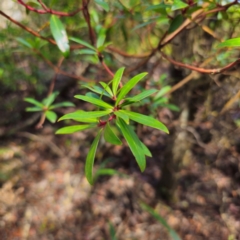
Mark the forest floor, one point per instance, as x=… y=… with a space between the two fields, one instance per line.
x=45 y=195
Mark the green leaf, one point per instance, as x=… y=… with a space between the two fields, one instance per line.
x=234 y=42
x=60 y=35
x=139 y=97
x=162 y=92
x=171 y=107
x=128 y=86
x=112 y=232
x=133 y=142
x=106 y=171
x=110 y=136
x=94 y=101
x=146 y=150
x=77 y=40
x=103 y=4
x=51 y=116
x=24 y=42
x=101 y=38
x=107 y=88
x=123 y=116
x=143 y=24
x=76 y=128
x=50 y=99
x=34 y=102
x=176 y=23
x=34 y=109
x=98 y=90
x=145 y=120
x=84 y=116
x=160 y=219
x=116 y=80
x=177 y=4
x=90 y=158
x=62 y=104
x=92 y=95
x=86 y=51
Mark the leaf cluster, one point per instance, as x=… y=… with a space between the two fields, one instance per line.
x=107 y=115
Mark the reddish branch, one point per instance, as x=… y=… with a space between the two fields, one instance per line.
x=201 y=70
x=27 y=29
x=48 y=10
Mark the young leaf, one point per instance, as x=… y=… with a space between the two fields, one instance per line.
x=51 y=116
x=234 y=42
x=103 y=4
x=76 y=128
x=178 y=4
x=34 y=102
x=145 y=120
x=62 y=104
x=34 y=109
x=90 y=158
x=97 y=102
x=107 y=88
x=50 y=99
x=84 y=116
x=162 y=92
x=59 y=34
x=92 y=95
x=86 y=51
x=77 y=40
x=128 y=86
x=123 y=116
x=110 y=136
x=160 y=219
x=98 y=90
x=24 y=42
x=138 y=97
x=116 y=80
x=146 y=150
x=133 y=142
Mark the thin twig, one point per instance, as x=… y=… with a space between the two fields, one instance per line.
x=199 y=69
x=48 y=10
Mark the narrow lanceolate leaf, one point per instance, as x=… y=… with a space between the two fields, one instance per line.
x=116 y=80
x=145 y=120
x=134 y=143
x=123 y=116
x=160 y=219
x=103 y=4
x=62 y=104
x=90 y=158
x=107 y=88
x=139 y=97
x=162 y=92
x=128 y=86
x=84 y=116
x=60 y=35
x=110 y=136
x=97 y=102
x=34 y=102
x=24 y=42
x=34 y=109
x=76 y=128
x=98 y=90
x=146 y=150
x=77 y=40
x=178 y=4
x=234 y=42
x=86 y=51
x=51 y=116
x=50 y=99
